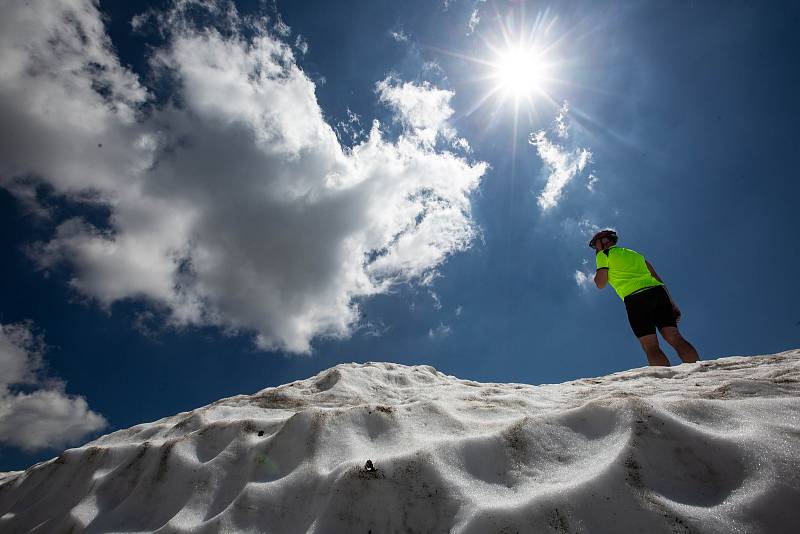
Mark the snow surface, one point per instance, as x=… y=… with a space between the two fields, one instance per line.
x=708 y=447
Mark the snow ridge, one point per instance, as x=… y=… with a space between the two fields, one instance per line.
x=707 y=447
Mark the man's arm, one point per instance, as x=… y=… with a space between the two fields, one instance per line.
x=653 y=271
x=601 y=277
x=674 y=306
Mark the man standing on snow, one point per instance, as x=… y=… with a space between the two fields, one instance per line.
x=646 y=298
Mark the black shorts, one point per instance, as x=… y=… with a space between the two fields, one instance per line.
x=649 y=309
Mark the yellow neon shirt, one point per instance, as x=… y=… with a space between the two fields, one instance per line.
x=627 y=270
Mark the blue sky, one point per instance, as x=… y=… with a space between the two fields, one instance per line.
x=188 y=214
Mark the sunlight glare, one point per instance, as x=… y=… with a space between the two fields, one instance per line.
x=519 y=71
x=522 y=66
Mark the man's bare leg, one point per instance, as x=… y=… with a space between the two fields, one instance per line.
x=685 y=350
x=654 y=354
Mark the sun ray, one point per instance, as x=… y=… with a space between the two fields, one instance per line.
x=479 y=104
x=520 y=66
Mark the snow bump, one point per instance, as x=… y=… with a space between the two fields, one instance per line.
x=710 y=447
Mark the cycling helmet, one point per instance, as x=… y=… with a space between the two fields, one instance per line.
x=610 y=234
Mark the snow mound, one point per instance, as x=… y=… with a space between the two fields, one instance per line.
x=712 y=447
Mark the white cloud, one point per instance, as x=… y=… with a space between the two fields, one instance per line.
x=399 y=36
x=424 y=109
x=591 y=181
x=428 y=278
x=282 y=29
x=440 y=331
x=374 y=329
x=63 y=93
x=25 y=191
x=563 y=165
x=352 y=127
x=433 y=69
x=234 y=204
x=45 y=417
x=582 y=279
x=585 y=226
x=459 y=311
x=437 y=302
x=561 y=123
x=474 y=20
x=21 y=355
x=459 y=143
x=301 y=45
x=562 y=162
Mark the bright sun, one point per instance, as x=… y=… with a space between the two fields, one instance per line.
x=519 y=71
x=522 y=64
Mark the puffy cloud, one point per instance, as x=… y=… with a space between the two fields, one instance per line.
x=423 y=109
x=563 y=163
x=63 y=94
x=45 y=417
x=20 y=355
x=232 y=204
